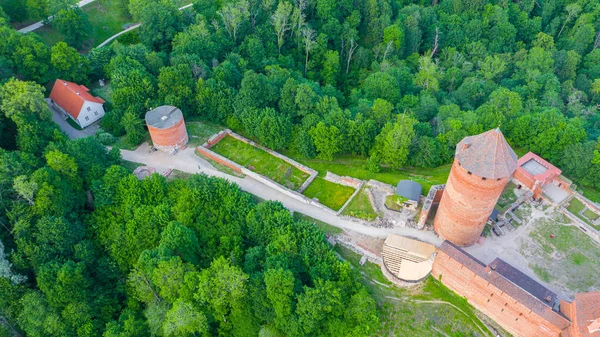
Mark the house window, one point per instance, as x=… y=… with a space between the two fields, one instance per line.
x=87 y=118
x=89 y=109
x=96 y=113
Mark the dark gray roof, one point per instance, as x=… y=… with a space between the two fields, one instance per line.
x=494 y=214
x=409 y=189
x=523 y=281
x=510 y=281
x=487 y=155
x=163 y=117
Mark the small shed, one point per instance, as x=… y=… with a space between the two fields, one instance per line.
x=410 y=190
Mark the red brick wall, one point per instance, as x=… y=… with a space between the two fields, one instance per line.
x=466 y=205
x=522 y=176
x=506 y=311
x=438 y=196
x=175 y=136
x=217 y=139
x=219 y=160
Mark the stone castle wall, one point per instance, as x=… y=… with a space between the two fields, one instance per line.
x=466 y=205
x=508 y=312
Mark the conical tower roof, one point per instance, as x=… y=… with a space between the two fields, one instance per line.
x=487 y=155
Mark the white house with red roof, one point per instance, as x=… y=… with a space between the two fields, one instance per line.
x=76 y=101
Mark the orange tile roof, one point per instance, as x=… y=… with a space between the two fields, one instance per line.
x=587 y=314
x=71 y=96
x=487 y=155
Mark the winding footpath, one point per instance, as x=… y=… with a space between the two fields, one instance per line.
x=187 y=161
x=40 y=24
x=107 y=41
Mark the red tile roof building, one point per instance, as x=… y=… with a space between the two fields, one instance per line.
x=483 y=165
x=518 y=303
x=535 y=173
x=76 y=101
x=584 y=312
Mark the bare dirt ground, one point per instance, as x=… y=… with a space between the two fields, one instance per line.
x=566 y=263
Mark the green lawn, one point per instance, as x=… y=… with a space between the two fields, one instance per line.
x=591 y=215
x=507 y=198
x=575 y=206
x=200 y=131
x=394 y=202
x=221 y=167
x=417 y=311
x=261 y=162
x=590 y=193
x=107 y=17
x=360 y=207
x=568 y=259
x=325 y=227
x=355 y=166
x=329 y=194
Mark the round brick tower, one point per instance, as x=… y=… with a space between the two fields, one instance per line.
x=167 y=128
x=483 y=164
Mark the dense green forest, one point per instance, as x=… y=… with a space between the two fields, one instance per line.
x=88 y=250
x=400 y=82
x=93 y=251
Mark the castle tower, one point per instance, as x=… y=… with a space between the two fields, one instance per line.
x=483 y=164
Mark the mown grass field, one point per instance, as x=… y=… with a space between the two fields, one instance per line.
x=261 y=162
x=360 y=207
x=329 y=194
x=429 y=309
x=355 y=166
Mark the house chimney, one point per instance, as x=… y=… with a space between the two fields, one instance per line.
x=65 y=82
x=77 y=92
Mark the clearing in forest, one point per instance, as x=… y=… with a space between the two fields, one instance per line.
x=261 y=162
x=329 y=194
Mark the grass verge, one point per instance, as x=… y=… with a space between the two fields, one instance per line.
x=329 y=194
x=199 y=131
x=394 y=202
x=325 y=227
x=74 y=124
x=355 y=166
x=591 y=193
x=429 y=309
x=221 y=167
x=261 y=162
x=360 y=207
x=507 y=198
